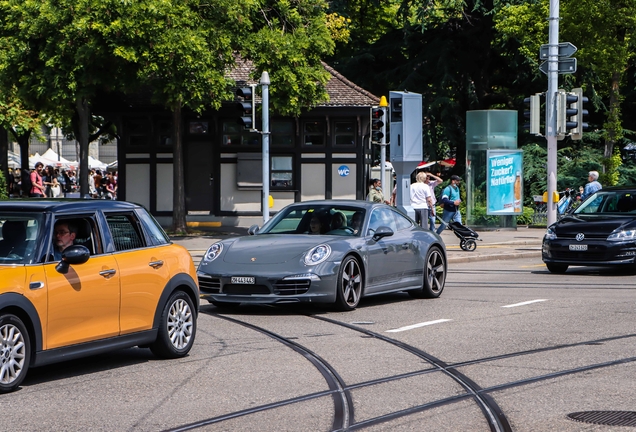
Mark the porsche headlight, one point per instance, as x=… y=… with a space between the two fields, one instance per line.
x=624 y=235
x=317 y=255
x=550 y=234
x=213 y=252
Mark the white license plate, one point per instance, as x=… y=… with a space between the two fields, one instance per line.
x=578 y=247
x=246 y=280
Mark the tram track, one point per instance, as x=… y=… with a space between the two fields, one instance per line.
x=340 y=392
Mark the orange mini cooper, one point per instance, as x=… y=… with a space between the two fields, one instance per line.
x=81 y=277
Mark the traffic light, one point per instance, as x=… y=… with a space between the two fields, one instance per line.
x=581 y=113
x=533 y=113
x=570 y=114
x=247 y=106
x=377 y=125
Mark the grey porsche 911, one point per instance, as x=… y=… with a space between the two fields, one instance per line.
x=325 y=252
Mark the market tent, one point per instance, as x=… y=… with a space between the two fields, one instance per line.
x=13 y=160
x=96 y=164
x=49 y=157
x=113 y=166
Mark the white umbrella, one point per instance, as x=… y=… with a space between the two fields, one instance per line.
x=94 y=163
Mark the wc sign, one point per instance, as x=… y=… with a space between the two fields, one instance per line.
x=343 y=171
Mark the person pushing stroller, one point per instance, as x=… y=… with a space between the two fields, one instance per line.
x=450 y=201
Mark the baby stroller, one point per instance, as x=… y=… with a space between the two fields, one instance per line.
x=467 y=237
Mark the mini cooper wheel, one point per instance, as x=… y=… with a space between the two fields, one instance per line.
x=434 y=275
x=177 y=328
x=470 y=245
x=15 y=352
x=349 y=285
x=557 y=268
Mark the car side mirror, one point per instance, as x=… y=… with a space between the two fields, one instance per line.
x=72 y=255
x=381 y=232
x=253 y=230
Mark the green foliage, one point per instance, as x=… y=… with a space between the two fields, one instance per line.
x=611 y=175
x=526 y=217
x=4 y=189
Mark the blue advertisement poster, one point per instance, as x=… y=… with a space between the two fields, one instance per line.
x=504 y=190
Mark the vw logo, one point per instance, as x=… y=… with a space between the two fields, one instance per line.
x=580 y=237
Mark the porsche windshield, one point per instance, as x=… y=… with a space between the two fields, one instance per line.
x=603 y=202
x=317 y=220
x=19 y=233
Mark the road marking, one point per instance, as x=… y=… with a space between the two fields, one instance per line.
x=414 y=326
x=525 y=303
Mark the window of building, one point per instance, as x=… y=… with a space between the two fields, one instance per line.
x=235 y=135
x=164 y=128
x=281 y=172
x=282 y=133
x=198 y=127
x=344 y=133
x=137 y=131
x=314 y=133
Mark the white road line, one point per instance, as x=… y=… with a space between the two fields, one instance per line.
x=414 y=326
x=525 y=303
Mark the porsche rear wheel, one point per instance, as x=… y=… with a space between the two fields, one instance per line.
x=15 y=352
x=434 y=275
x=177 y=328
x=349 y=286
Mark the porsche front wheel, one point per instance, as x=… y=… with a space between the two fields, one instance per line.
x=349 y=285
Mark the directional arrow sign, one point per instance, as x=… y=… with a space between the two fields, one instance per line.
x=566 y=66
x=566 y=49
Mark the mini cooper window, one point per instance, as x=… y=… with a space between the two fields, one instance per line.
x=125 y=231
x=156 y=233
x=72 y=231
x=19 y=234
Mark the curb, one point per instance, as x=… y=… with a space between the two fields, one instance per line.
x=493 y=257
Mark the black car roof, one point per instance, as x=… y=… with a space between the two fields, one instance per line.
x=64 y=205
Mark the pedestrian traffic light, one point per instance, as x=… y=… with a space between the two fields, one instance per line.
x=247 y=106
x=579 y=117
x=533 y=113
x=377 y=125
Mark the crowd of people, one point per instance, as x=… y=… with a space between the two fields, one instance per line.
x=423 y=199
x=51 y=182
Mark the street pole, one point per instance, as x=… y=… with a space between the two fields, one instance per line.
x=385 y=118
x=265 y=106
x=550 y=114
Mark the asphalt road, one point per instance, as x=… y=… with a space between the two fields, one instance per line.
x=508 y=346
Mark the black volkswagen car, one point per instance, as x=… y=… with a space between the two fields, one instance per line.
x=600 y=232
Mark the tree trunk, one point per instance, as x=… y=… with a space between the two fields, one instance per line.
x=4 y=153
x=614 y=130
x=25 y=171
x=178 y=193
x=83 y=112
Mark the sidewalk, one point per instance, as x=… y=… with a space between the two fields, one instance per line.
x=495 y=245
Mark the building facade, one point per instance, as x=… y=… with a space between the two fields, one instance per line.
x=322 y=154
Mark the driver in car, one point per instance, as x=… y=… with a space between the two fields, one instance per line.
x=64 y=235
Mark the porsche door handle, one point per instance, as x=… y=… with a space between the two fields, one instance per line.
x=155 y=264
x=405 y=246
x=107 y=273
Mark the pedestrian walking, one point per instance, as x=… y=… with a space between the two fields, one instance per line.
x=450 y=200
x=592 y=186
x=421 y=199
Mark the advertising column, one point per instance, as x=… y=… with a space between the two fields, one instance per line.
x=504 y=179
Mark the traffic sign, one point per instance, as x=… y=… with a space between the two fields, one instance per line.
x=566 y=66
x=566 y=49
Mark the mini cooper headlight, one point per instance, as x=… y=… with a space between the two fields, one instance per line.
x=213 y=252
x=550 y=234
x=624 y=235
x=317 y=255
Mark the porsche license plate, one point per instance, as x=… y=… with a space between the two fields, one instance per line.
x=578 y=247
x=245 y=280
